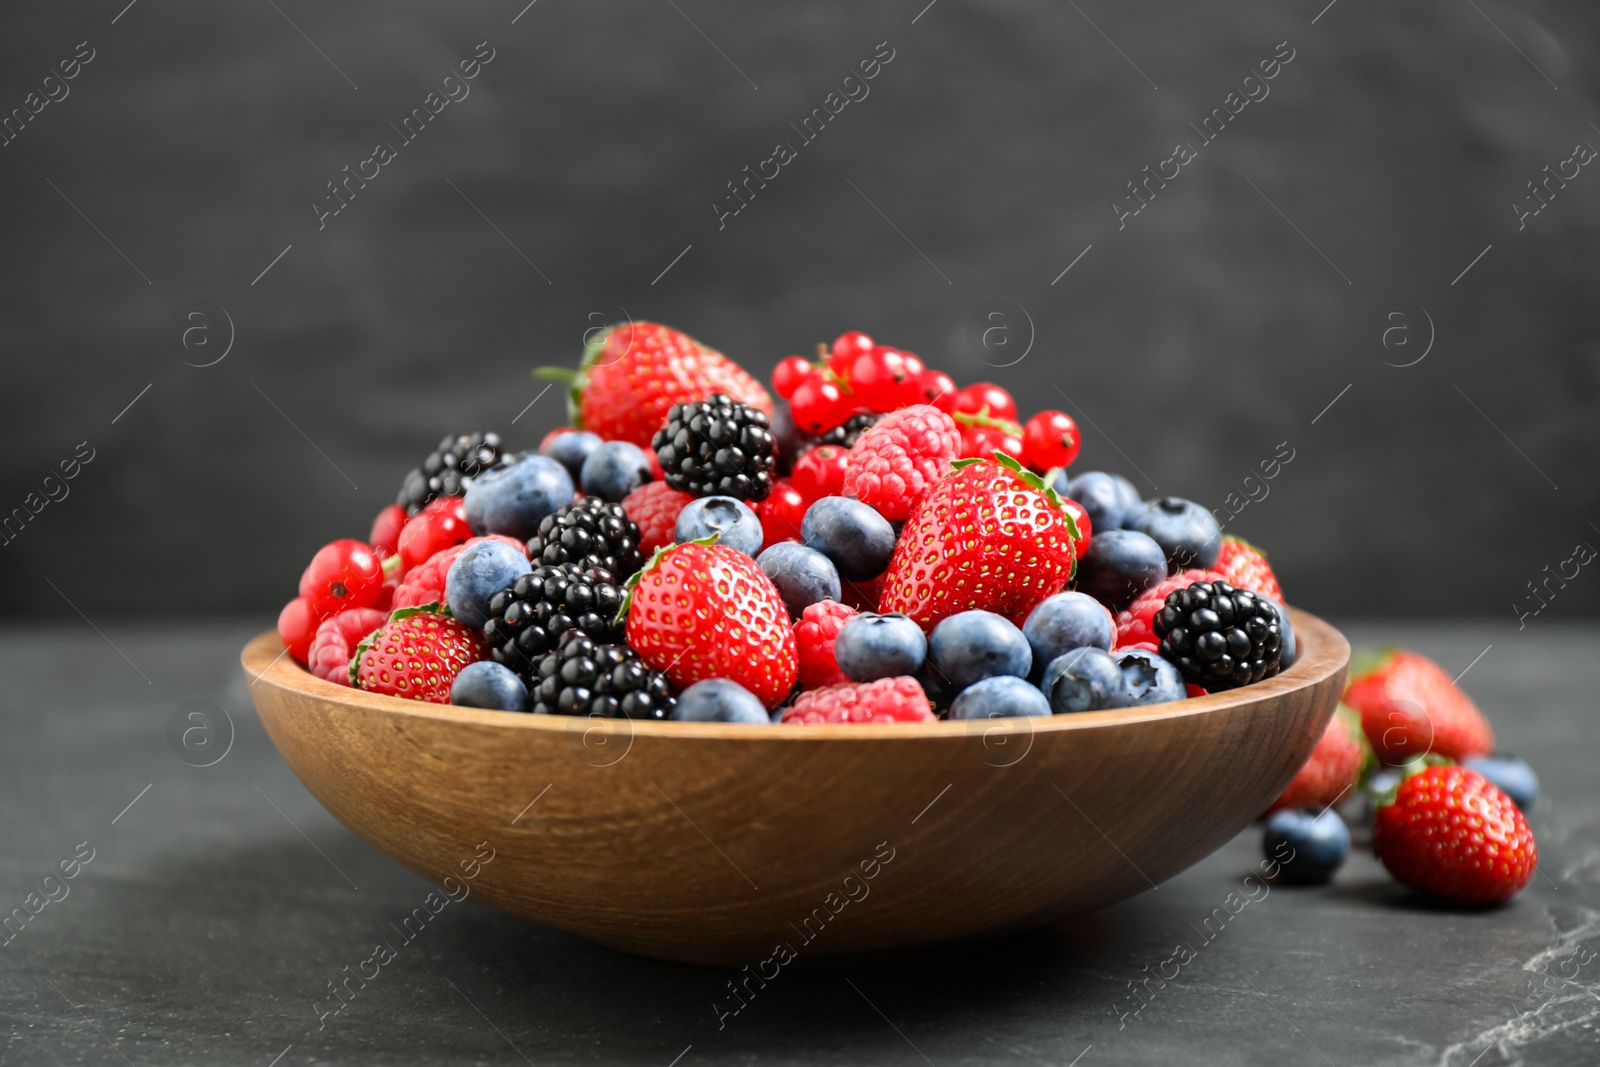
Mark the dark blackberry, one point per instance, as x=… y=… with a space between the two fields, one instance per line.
x=851 y=430
x=527 y=620
x=1220 y=637
x=717 y=447
x=589 y=533
x=586 y=677
x=450 y=468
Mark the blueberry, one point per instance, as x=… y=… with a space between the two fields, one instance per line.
x=514 y=500
x=477 y=575
x=853 y=535
x=870 y=647
x=1083 y=679
x=1129 y=495
x=570 y=449
x=1308 y=847
x=1186 y=532
x=719 y=700
x=731 y=520
x=1512 y=775
x=1067 y=621
x=803 y=575
x=1118 y=565
x=997 y=698
x=1291 y=648
x=1147 y=678
x=1101 y=495
x=487 y=684
x=613 y=470
x=973 y=645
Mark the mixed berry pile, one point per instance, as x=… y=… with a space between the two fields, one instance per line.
x=873 y=545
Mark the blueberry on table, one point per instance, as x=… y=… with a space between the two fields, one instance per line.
x=1308 y=846
x=613 y=470
x=487 y=684
x=853 y=535
x=731 y=520
x=970 y=646
x=1002 y=696
x=1119 y=565
x=513 y=500
x=803 y=575
x=871 y=646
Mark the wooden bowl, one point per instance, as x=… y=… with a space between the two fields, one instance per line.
x=727 y=844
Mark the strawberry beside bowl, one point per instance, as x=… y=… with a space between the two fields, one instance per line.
x=731 y=844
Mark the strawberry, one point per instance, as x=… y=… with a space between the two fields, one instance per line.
x=329 y=658
x=1409 y=707
x=991 y=536
x=900 y=457
x=1245 y=566
x=886 y=700
x=632 y=373
x=700 y=610
x=416 y=654
x=1450 y=832
x=1333 y=767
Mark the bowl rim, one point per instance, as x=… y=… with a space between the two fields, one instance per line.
x=264 y=659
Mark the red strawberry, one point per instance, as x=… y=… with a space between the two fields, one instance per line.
x=416 y=654
x=989 y=536
x=1452 y=833
x=886 y=700
x=1135 y=622
x=1245 y=566
x=899 y=458
x=336 y=641
x=699 y=611
x=654 y=508
x=814 y=635
x=1409 y=706
x=1333 y=767
x=633 y=372
x=424 y=584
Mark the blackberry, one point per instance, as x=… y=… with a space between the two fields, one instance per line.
x=586 y=677
x=1220 y=637
x=450 y=468
x=850 y=431
x=527 y=620
x=717 y=447
x=589 y=533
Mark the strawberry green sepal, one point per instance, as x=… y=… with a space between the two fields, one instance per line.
x=1369 y=759
x=1407 y=770
x=576 y=380
x=434 y=608
x=1032 y=480
x=1257 y=549
x=1367 y=661
x=637 y=576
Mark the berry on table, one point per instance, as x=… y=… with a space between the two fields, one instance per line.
x=717 y=447
x=1186 y=532
x=1000 y=697
x=654 y=507
x=487 y=684
x=788 y=374
x=815 y=636
x=570 y=448
x=386 y=527
x=1409 y=706
x=1245 y=566
x=606 y=681
x=438 y=526
x=450 y=468
x=589 y=533
x=527 y=620
x=297 y=627
x=820 y=472
x=343 y=574
x=970 y=646
x=478 y=573
x=858 y=539
x=1083 y=679
x=614 y=470
x=781 y=513
x=1147 y=678
x=886 y=700
x=1220 y=637
x=1119 y=566
x=1450 y=832
x=1066 y=621
x=719 y=700
x=1307 y=846
x=803 y=575
x=731 y=521
x=872 y=646
x=336 y=641
x=416 y=654
x=1333 y=767
x=900 y=458
x=514 y=500
x=1510 y=774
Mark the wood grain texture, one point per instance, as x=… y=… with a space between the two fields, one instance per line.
x=713 y=843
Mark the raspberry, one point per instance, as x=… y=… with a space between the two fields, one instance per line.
x=819 y=624
x=1135 y=624
x=424 y=583
x=900 y=458
x=886 y=700
x=654 y=507
x=336 y=642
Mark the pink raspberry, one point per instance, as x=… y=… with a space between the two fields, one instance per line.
x=900 y=457
x=336 y=641
x=886 y=700
x=424 y=583
x=819 y=624
x=1135 y=624
x=654 y=507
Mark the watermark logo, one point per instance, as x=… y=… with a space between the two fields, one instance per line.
x=1000 y=333
x=591 y=320
x=598 y=741
x=199 y=733
x=1402 y=333
x=200 y=332
x=1002 y=741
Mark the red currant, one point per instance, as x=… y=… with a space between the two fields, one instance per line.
x=818 y=405
x=937 y=388
x=440 y=525
x=297 y=626
x=882 y=379
x=789 y=373
x=975 y=398
x=385 y=535
x=780 y=513
x=846 y=347
x=342 y=575
x=985 y=441
x=1050 y=439
x=1080 y=518
x=820 y=472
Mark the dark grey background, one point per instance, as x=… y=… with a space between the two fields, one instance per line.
x=1196 y=339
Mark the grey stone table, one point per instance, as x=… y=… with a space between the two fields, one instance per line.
x=220 y=902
